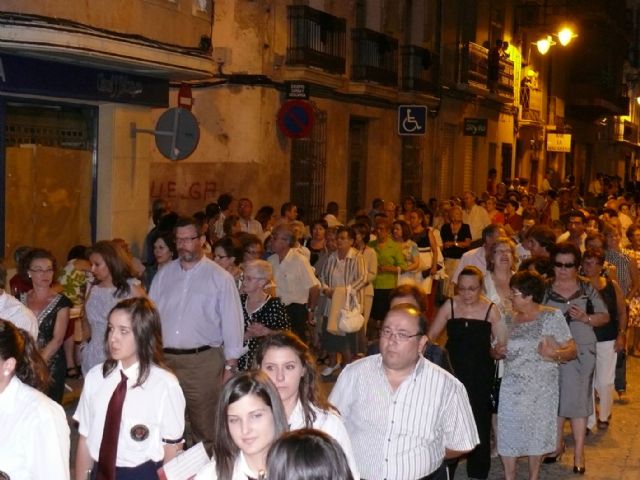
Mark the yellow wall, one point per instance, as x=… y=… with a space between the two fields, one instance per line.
x=154 y=19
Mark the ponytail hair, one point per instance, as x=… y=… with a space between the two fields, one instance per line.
x=31 y=368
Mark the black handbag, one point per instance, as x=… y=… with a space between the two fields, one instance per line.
x=494 y=397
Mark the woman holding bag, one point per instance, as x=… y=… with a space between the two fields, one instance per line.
x=344 y=267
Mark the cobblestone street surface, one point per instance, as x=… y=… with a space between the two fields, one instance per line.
x=610 y=454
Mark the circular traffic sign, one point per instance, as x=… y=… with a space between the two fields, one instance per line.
x=177 y=133
x=296 y=118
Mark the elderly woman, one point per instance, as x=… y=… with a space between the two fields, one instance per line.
x=456 y=239
x=539 y=339
x=583 y=309
x=610 y=336
x=263 y=314
x=344 y=268
x=164 y=250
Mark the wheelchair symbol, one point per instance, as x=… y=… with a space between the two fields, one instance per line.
x=409 y=123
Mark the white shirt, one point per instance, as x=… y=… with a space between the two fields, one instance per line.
x=251 y=226
x=331 y=424
x=566 y=237
x=477 y=218
x=200 y=306
x=402 y=434
x=293 y=276
x=332 y=221
x=158 y=404
x=241 y=470
x=34 y=435
x=476 y=257
x=13 y=310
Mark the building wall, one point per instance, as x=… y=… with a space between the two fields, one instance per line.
x=123 y=175
x=154 y=19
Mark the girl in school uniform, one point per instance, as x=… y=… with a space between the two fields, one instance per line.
x=131 y=412
x=34 y=434
x=249 y=418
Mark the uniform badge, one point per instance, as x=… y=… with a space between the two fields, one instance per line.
x=138 y=432
x=4 y=476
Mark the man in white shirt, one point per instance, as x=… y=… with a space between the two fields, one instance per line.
x=474 y=215
x=247 y=222
x=296 y=283
x=478 y=256
x=332 y=215
x=202 y=325
x=14 y=311
x=405 y=415
x=576 y=230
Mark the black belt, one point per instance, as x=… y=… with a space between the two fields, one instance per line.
x=187 y=351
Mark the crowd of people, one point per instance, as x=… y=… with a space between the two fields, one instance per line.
x=485 y=323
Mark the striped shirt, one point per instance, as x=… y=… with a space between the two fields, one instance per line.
x=402 y=434
x=623 y=268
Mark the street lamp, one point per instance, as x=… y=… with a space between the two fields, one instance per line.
x=544 y=44
x=564 y=36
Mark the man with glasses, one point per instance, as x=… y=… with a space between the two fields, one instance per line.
x=202 y=325
x=408 y=411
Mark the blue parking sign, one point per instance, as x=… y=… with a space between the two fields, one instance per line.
x=412 y=120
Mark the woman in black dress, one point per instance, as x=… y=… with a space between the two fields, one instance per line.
x=456 y=239
x=52 y=311
x=472 y=322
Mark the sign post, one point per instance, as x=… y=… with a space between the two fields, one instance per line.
x=475 y=127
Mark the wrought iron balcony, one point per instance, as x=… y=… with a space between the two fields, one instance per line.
x=419 y=69
x=316 y=39
x=474 y=65
x=375 y=57
x=474 y=70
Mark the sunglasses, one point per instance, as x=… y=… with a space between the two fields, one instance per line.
x=563 y=265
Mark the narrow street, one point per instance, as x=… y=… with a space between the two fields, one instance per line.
x=610 y=454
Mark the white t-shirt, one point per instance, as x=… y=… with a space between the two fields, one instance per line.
x=13 y=310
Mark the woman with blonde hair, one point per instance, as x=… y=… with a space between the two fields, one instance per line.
x=263 y=313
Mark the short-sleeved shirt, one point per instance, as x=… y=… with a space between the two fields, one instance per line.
x=34 y=435
x=158 y=404
x=393 y=436
x=294 y=276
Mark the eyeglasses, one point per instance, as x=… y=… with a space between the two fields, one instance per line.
x=186 y=239
x=468 y=289
x=564 y=265
x=40 y=271
x=253 y=252
x=515 y=293
x=248 y=278
x=220 y=257
x=399 y=336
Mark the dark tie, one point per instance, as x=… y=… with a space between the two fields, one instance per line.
x=111 y=431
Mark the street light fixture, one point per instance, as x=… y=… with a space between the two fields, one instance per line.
x=564 y=36
x=544 y=44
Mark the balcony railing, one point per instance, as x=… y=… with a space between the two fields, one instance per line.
x=474 y=70
x=316 y=39
x=419 y=69
x=474 y=65
x=625 y=131
x=375 y=57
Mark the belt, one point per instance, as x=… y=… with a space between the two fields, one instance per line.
x=187 y=351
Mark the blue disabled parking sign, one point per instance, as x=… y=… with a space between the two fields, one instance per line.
x=412 y=120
